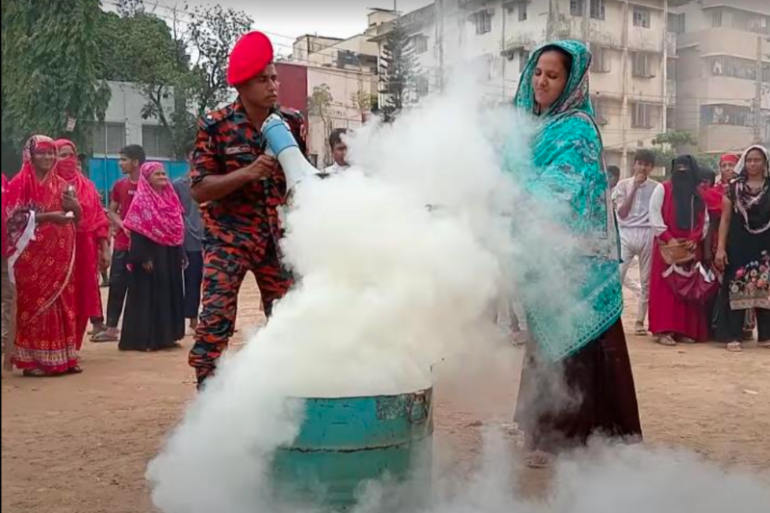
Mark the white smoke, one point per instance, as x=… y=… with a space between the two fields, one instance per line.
x=387 y=288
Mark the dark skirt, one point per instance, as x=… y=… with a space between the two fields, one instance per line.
x=154 y=316
x=592 y=392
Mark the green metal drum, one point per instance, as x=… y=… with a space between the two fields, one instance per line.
x=345 y=442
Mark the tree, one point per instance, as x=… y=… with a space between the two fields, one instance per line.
x=319 y=104
x=50 y=69
x=213 y=34
x=142 y=48
x=670 y=144
x=364 y=102
x=398 y=70
x=676 y=142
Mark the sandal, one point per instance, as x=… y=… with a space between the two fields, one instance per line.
x=666 y=340
x=735 y=347
x=539 y=460
x=35 y=373
x=75 y=370
x=104 y=336
x=764 y=344
x=686 y=340
x=640 y=330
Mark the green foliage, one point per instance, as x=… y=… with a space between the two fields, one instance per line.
x=50 y=70
x=677 y=142
x=154 y=53
x=398 y=71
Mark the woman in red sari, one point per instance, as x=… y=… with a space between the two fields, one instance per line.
x=92 y=243
x=678 y=214
x=42 y=216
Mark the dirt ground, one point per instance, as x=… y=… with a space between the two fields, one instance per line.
x=81 y=444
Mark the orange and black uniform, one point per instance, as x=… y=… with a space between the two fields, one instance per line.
x=242 y=230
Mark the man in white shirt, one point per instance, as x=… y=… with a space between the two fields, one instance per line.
x=632 y=205
x=339 y=153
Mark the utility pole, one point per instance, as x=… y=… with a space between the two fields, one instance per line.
x=440 y=42
x=758 y=96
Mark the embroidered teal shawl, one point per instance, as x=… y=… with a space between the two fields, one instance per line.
x=567 y=182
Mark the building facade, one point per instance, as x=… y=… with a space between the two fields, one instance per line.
x=723 y=72
x=633 y=47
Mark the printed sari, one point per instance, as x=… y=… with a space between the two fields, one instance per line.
x=43 y=265
x=92 y=227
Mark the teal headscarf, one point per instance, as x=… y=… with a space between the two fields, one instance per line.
x=568 y=184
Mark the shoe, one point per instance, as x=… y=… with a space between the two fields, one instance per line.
x=640 y=330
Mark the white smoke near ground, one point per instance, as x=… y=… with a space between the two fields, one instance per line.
x=386 y=289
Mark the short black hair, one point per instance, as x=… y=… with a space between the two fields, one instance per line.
x=336 y=137
x=708 y=175
x=614 y=171
x=134 y=152
x=645 y=156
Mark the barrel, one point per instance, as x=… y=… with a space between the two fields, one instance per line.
x=345 y=442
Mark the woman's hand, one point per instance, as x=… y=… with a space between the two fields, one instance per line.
x=104 y=259
x=57 y=218
x=691 y=245
x=148 y=266
x=721 y=260
x=71 y=204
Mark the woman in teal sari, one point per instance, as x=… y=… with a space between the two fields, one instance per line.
x=577 y=381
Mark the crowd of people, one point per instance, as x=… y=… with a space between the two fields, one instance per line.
x=57 y=239
x=181 y=251
x=703 y=248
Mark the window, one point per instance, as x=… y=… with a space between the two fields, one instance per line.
x=523 y=11
x=716 y=18
x=523 y=59
x=576 y=7
x=734 y=115
x=641 y=115
x=735 y=67
x=676 y=23
x=642 y=65
x=641 y=17
x=156 y=141
x=597 y=9
x=600 y=113
x=601 y=60
x=420 y=44
x=483 y=22
x=423 y=85
x=109 y=138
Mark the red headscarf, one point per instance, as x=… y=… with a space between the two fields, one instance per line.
x=730 y=157
x=156 y=215
x=94 y=219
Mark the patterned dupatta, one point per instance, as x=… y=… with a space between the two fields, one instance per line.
x=567 y=183
x=747 y=200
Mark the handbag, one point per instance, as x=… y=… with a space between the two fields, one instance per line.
x=695 y=285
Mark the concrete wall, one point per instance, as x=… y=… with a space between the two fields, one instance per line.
x=125 y=108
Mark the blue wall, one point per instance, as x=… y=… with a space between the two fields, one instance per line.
x=105 y=172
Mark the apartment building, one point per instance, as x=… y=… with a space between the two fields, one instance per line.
x=347 y=69
x=634 y=55
x=723 y=72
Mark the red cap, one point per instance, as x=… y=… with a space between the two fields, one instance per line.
x=251 y=55
x=730 y=157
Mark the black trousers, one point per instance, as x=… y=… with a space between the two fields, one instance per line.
x=119 y=276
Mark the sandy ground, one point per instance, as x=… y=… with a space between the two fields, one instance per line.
x=81 y=444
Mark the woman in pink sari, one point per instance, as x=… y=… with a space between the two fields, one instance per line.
x=92 y=242
x=154 y=317
x=42 y=217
